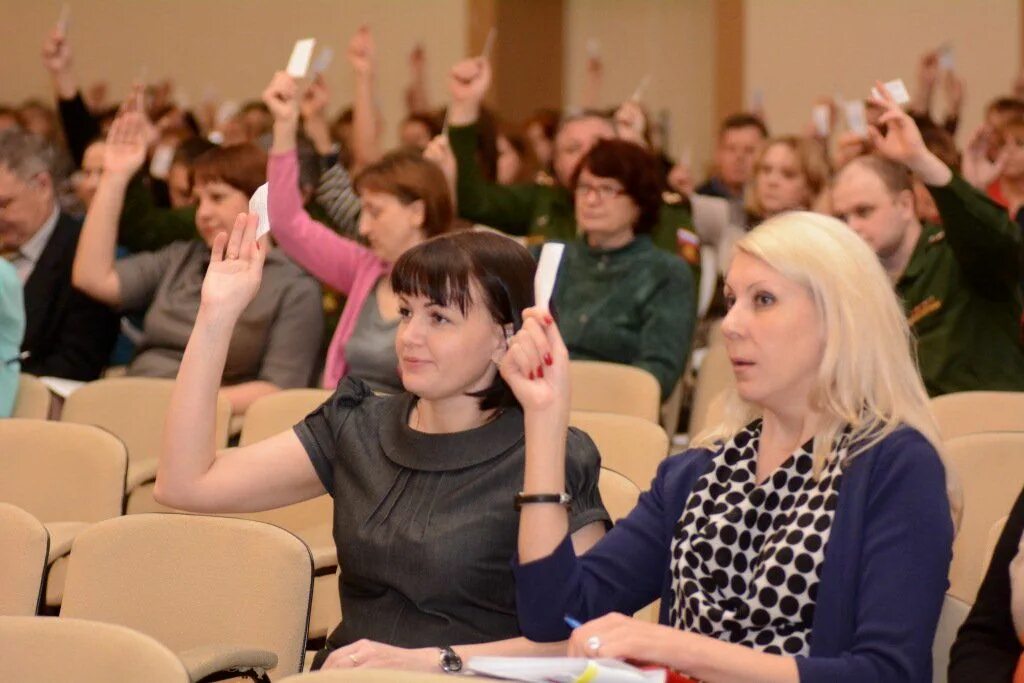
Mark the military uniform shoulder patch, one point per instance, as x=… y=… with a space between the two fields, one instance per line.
x=923 y=309
x=937 y=237
x=544 y=178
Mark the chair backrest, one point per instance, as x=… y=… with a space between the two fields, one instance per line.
x=133 y=408
x=33 y=399
x=62 y=472
x=193 y=580
x=618 y=493
x=971 y=412
x=274 y=413
x=713 y=377
x=991 y=470
x=45 y=649
x=25 y=544
x=371 y=676
x=954 y=612
x=614 y=388
x=631 y=446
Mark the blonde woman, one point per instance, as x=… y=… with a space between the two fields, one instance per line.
x=790 y=173
x=807 y=537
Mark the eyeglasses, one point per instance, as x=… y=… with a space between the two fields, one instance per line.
x=602 y=191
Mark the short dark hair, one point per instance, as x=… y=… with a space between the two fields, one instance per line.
x=444 y=268
x=428 y=121
x=1006 y=105
x=410 y=177
x=243 y=167
x=742 y=120
x=635 y=168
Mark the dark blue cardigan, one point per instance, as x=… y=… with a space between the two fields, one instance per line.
x=882 y=580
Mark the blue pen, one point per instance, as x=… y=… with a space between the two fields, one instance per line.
x=573 y=623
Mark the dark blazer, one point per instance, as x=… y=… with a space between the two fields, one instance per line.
x=67 y=333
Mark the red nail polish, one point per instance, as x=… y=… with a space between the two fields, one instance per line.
x=531 y=375
x=547 y=359
x=540 y=370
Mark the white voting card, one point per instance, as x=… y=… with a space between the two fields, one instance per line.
x=896 y=88
x=323 y=60
x=258 y=206
x=856 y=117
x=298 y=63
x=821 y=114
x=547 y=271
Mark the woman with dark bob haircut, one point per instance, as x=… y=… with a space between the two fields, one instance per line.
x=619 y=298
x=279 y=333
x=423 y=481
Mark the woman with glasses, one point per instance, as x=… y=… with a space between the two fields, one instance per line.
x=619 y=298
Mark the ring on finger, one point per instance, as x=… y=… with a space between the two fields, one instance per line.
x=594 y=644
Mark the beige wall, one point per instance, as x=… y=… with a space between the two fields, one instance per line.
x=230 y=45
x=672 y=41
x=799 y=49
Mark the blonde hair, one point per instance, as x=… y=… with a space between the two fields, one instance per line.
x=811 y=159
x=868 y=382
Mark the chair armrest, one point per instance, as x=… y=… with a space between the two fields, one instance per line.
x=140 y=472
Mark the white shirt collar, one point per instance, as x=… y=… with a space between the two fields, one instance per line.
x=33 y=248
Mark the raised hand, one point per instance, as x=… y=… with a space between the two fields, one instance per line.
x=439 y=152
x=281 y=97
x=56 y=52
x=469 y=80
x=953 y=89
x=902 y=141
x=125 y=151
x=315 y=99
x=536 y=366
x=978 y=169
x=362 y=52
x=631 y=122
x=236 y=268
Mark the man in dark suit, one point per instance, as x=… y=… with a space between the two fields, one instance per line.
x=67 y=334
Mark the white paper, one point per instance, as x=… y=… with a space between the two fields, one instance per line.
x=62 y=387
x=258 y=206
x=856 y=117
x=323 y=60
x=946 y=60
x=547 y=271
x=639 y=92
x=821 y=114
x=160 y=164
x=489 y=44
x=896 y=88
x=298 y=63
x=226 y=111
x=64 y=20
x=562 y=670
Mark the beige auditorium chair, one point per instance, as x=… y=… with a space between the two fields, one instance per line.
x=33 y=399
x=991 y=470
x=67 y=475
x=377 y=676
x=614 y=388
x=631 y=446
x=222 y=593
x=45 y=649
x=954 y=612
x=310 y=520
x=134 y=409
x=25 y=544
x=971 y=412
x=713 y=379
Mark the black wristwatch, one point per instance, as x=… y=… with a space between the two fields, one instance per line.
x=450 y=661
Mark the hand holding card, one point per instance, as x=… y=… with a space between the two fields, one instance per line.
x=547 y=273
x=302 y=53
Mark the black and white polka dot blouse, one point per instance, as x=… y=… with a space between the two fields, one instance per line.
x=746 y=557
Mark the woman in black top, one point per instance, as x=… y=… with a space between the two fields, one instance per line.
x=423 y=482
x=987 y=647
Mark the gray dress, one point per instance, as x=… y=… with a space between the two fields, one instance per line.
x=370 y=351
x=424 y=523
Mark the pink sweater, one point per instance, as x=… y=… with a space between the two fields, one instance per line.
x=347 y=266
